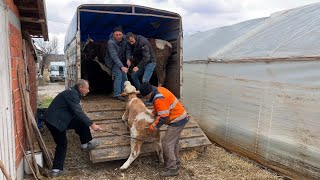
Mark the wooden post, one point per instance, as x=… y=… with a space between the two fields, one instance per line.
x=35 y=129
x=27 y=125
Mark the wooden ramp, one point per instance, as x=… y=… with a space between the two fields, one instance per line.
x=107 y=113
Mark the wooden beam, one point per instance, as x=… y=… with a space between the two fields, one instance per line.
x=44 y=31
x=25 y=8
x=42 y=14
x=32 y=30
x=122 y=152
x=33 y=48
x=32 y=20
x=30 y=26
x=37 y=33
x=40 y=8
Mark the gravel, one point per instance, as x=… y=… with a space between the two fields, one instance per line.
x=51 y=89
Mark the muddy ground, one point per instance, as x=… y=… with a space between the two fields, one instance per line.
x=212 y=163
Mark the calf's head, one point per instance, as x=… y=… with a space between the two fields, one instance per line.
x=129 y=90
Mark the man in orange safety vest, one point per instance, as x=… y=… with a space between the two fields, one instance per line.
x=167 y=110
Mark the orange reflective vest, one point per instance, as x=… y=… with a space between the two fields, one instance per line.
x=167 y=108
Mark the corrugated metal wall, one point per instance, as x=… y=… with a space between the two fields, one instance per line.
x=266 y=111
x=6 y=119
x=70 y=59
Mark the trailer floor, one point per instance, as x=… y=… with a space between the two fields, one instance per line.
x=115 y=143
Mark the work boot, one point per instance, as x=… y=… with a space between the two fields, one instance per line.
x=170 y=172
x=120 y=98
x=178 y=164
x=90 y=146
x=57 y=173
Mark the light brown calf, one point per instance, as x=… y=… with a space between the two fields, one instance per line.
x=138 y=118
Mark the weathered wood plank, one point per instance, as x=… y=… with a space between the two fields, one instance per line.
x=106 y=109
x=107 y=119
x=114 y=139
x=105 y=115
x=124 y=141
x=32 y=20
x=119 y=125
x=123 y=152
x=120 y=128
x=107 y=112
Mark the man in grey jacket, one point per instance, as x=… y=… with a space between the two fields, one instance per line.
x=116 y=60
x=143 y=58
x=65 y=112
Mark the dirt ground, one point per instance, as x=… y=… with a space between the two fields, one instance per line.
x=213 y=162
x=51 y=89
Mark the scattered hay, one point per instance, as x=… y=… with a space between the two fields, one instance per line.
x=217 y=163
x=212 y=163
x=189 y=155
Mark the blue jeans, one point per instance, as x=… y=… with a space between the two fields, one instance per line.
x=119 y=78
x=147 y=73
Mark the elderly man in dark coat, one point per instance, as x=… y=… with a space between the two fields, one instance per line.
x=65 y=112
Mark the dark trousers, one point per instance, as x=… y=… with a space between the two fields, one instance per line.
x=170 y=144
x=60 y=138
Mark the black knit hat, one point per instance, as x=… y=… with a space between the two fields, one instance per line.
x=145 y=88
x=117 y=28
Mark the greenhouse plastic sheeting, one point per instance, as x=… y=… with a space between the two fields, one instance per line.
x=291 y=33
x=266 y=111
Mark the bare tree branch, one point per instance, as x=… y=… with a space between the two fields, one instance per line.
x=46 y=48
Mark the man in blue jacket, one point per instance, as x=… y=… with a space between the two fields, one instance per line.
x=142 y=57
x=115 y=59
x=65 y=112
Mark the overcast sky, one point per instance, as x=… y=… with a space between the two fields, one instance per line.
x=197 y=15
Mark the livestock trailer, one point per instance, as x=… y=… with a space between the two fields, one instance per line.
x=97 y=22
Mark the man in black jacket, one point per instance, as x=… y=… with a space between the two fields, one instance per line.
x=143 y=58
x=65 y=112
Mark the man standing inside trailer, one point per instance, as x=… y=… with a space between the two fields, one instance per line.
x=65 y=112
x=115 y=59
x=167 y=110
x=143 y=58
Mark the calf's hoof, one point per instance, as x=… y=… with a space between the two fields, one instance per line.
x=122 y=168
